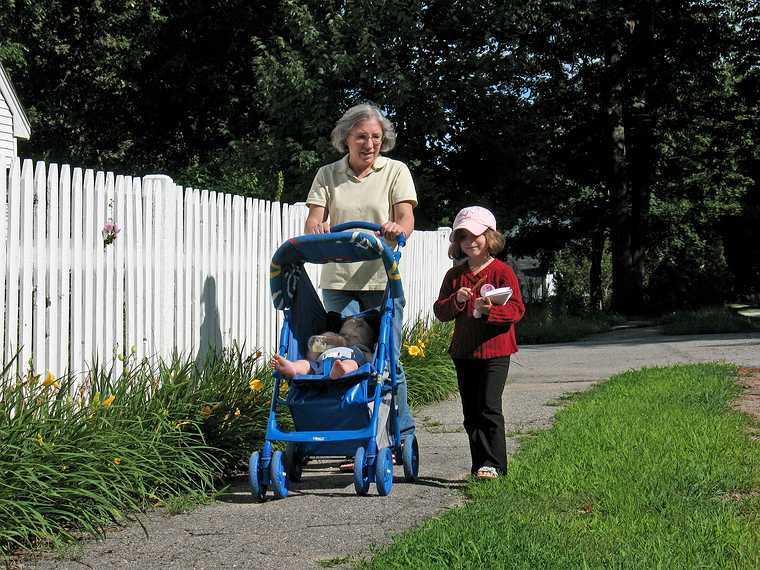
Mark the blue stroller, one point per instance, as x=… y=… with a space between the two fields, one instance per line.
x=353 y=415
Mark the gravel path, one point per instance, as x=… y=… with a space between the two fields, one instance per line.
x=324 y=520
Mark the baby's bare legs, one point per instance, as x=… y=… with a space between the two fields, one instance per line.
x=289 y=368
x=341 y=367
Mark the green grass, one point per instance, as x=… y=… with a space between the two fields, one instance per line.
x=653 y=469
x=179 y=504
x=333 y=562
x=709 y=320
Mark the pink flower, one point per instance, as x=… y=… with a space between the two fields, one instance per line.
x=109 y=232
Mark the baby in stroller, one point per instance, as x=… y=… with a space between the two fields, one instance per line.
x=350 y=348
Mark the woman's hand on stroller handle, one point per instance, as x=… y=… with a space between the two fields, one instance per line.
x=377 y=228
x=393 y=231
x=319 y=228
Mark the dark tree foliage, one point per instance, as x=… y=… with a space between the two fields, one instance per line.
x=740 y=229
x=621 y=132
x=653 y=128
x=76 y=67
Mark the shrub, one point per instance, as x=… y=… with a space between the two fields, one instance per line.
x=77 y=456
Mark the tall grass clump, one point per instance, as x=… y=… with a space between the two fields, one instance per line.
x=233 y=393
x=76 y=456
x=710 y=320
x=429 y=370
x=653 y=469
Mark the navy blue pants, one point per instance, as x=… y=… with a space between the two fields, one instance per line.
x=481 y=385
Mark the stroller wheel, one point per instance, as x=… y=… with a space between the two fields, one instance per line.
x=411 y=458
x=361 y=477
x=258 y=489
x=279 y=475
x=384 y=471
x=293 y=462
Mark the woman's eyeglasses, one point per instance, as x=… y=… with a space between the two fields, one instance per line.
x=363 y=139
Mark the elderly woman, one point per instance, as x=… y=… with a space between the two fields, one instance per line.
x=363 y=185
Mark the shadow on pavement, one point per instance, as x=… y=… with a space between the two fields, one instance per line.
x=441 y=483
x=315 y=483
x=650 y=338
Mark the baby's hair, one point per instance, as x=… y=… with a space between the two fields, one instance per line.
x=494 y=241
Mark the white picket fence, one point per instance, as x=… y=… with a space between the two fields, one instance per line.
x=188 y=270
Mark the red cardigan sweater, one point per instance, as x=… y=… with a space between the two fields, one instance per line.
x=491 y=335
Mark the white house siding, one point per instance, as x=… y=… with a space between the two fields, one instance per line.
x=535 y=284
x=7 y=152
x=7 y=140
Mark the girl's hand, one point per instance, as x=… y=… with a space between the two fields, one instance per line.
x=463 y=295
x=483 y=305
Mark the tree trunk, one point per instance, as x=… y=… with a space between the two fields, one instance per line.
x=595 y=273
x=623 y=293
x=641 y=139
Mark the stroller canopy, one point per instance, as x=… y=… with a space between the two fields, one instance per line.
x=342 y=247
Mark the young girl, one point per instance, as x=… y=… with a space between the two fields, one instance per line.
x=484 y=333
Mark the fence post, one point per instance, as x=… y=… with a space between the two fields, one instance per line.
x=164 y=194
x=27 y=261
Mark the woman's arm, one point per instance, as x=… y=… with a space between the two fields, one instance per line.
x=316 y=221
x=403 y=214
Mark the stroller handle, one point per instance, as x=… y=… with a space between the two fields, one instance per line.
x=359 y=225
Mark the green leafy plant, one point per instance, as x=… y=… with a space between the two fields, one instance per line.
x=429 y=370
x=78 y=455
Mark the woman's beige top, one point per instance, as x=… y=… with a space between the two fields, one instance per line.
x=370 y=199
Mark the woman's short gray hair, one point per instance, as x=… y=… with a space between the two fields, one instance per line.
x=357 y=114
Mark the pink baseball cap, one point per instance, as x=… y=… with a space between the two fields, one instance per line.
x=474 y=219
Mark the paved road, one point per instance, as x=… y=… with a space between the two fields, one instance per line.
x=324 y=520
